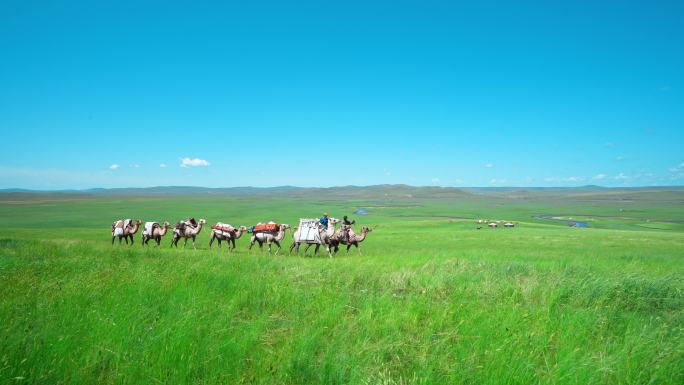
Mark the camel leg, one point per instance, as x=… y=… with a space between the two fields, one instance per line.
x=131 y=236
x=292 y=246
x=193 y=242
x=186 y=242
x=277 y=244
x=349 y=247
x=211 y=240
x=232 y=242
x=113 y=240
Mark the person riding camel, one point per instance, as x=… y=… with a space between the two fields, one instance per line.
x=347 y=231
x=324 y=221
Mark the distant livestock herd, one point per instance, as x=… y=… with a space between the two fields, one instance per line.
x=309 y=232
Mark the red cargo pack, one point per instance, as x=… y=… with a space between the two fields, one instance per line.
x=266 y=227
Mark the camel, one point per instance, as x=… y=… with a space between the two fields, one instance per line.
x=269 y=237
x=355 y=239
x=325 y=234
x=157 y=234
x=187 y=231
x=228 y=236
x=125 y=232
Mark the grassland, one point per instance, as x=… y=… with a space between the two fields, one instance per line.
x=432 y=300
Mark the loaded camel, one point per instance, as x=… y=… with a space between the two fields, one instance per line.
x=156 y=234
x=354 y=240
x=185 y=229
x=228 y=236
x=324 y=235
x=269 y=237
x=123 y=229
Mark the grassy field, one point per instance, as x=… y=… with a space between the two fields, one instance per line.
x=432 y=300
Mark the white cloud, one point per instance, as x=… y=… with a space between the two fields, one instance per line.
x=194 y=162
x=135 y=166
x=619 y=158
x=163 y=165
x=599 y=176
x=114 y=166
x=569 y=179
x=621 y=176
x=678 y=168
x=489 y=165
x=435 y=180
x=497 y=181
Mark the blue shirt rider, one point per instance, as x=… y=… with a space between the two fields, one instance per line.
x=324 y=221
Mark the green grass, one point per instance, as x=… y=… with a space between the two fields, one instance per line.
x=432 y=300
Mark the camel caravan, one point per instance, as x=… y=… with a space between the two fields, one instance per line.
x=310 y=232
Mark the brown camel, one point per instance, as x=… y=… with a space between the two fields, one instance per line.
x=120 y=231
x=269 y=237
x=157 y=234
x=186 y=230
x=228 y=236
x=354 y=240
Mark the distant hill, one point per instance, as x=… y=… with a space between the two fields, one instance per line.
x=375 y=192
x=341 y=192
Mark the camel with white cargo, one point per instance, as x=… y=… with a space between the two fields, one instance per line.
x=125 y=228
x=155 y=231
x=312 y=232
x=225 y=232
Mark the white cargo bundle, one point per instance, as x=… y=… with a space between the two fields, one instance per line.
x=149 y=226
x=308 y=231
x=223 y=229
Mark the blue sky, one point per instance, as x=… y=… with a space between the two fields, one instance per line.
x=219 y=94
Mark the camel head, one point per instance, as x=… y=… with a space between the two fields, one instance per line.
x=366 y=229
x=138 y=222
x=333 y=221
x=165 y=224
x=242 y=228
x=202 y=221
x=284 y=227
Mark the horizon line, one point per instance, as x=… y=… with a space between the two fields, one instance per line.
x=93 y=189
